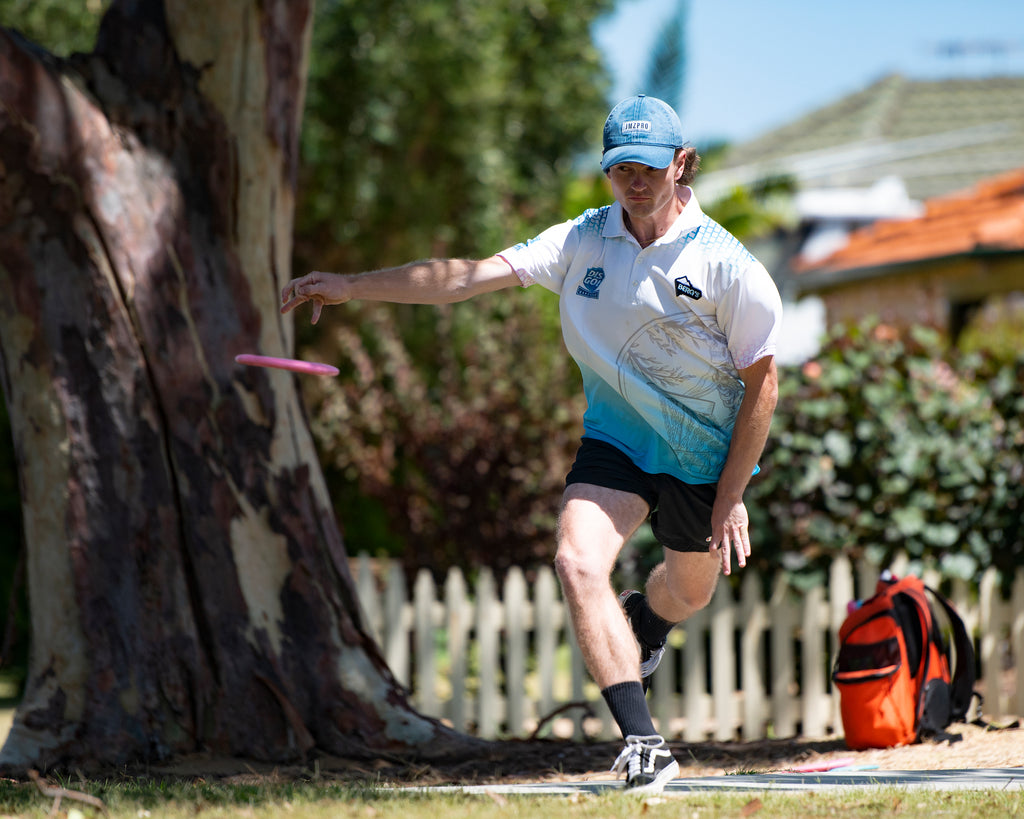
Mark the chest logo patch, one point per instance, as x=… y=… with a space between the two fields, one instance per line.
x=591 y=283
x=685 y=288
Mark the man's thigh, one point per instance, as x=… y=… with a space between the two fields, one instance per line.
x=597 y=521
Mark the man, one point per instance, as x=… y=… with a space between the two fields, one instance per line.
x=673 y=324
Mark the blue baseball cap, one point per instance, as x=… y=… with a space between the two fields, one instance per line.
x=641 y=129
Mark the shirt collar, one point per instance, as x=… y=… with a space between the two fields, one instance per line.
x=691 y=217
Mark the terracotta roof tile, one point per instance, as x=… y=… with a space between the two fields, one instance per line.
x=989 y=216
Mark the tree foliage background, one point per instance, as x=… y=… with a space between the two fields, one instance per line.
x=436 y=128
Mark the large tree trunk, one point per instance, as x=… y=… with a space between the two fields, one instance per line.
x=187 y=583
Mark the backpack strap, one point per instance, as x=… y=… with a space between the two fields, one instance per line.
x=914 y=615
x=962 y=685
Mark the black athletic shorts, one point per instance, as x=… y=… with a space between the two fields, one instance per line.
x=680 y=512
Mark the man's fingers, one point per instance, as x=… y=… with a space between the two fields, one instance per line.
x=299 y=291
x=290 y=292
x=742 y=549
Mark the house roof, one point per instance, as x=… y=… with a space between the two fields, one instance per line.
x=984 y=219
x=938 y=136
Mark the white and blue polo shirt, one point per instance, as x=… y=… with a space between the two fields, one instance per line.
x=659 y=333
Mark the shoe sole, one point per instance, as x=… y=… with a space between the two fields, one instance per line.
x=665 y=775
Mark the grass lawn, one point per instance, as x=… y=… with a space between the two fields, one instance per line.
x=142 y=798
x=314 y=797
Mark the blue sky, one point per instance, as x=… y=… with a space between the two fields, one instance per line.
x=754 y=65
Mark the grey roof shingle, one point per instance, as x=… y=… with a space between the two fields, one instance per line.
x=937 y=135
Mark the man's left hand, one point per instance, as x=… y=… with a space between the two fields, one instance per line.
x=729 y=524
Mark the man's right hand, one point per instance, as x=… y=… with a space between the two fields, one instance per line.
x=319 y=288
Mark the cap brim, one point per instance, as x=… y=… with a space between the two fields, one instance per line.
x=654 y=156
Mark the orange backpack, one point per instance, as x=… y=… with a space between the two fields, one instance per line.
x=893 y=667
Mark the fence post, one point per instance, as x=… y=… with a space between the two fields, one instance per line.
x=396 y=636
x=515 y=643
x=782 y=625
x=867 y=578
x=752 y=618
x=1017 y=641
x=369 y=598
x=424 y=597
x=488 y=623
x=547 y=622
x=840 y=593
x=458 y=644
x=695 y=701
x=813 y=657
x=663 y=691
x=723 y=662
x=577 y=672
x=988 y=610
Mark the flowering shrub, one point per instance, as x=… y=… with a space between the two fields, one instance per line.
x=891 y=441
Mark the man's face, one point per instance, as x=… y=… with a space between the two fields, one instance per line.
x=643 y=191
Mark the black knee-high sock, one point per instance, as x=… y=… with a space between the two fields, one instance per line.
x=629 y=709
x=652 y=629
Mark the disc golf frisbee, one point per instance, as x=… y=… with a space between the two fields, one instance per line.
x=294 y=364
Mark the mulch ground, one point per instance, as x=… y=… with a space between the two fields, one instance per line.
x=565 y=761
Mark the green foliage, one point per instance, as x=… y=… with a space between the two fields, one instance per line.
x=998 y=326
x=442 y=128
x=756 y=211
x=887 y=442
x=453 y=451
x=60 y=26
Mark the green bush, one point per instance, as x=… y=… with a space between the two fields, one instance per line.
x=447 y=438
x=889 y=441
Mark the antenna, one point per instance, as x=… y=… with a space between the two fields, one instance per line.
x=954 y=49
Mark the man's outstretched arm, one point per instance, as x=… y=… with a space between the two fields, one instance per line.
x=431 y=281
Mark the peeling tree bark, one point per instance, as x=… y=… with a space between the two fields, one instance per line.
x=187 y=582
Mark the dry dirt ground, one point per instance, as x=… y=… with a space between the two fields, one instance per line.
x=561 y=761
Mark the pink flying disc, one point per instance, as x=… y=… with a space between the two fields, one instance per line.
x=293 y=364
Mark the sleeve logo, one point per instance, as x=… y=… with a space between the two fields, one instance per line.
x=685 y=288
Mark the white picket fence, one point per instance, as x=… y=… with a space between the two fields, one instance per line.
x=506 y=664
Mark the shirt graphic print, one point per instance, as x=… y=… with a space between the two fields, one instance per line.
x=678 y=359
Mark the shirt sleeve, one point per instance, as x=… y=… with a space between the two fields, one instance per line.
x=544 y=259
x=750 y=315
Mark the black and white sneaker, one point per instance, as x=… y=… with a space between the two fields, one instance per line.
x=650 y=656
x=647 y=763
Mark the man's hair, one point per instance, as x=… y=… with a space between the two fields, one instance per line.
x=690 y=166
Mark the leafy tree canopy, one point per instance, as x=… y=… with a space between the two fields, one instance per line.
x=60 y=26
x=443 y=127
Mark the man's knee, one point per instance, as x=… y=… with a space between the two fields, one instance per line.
x=575 y=568
x=693 y=596
x=691 y=582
